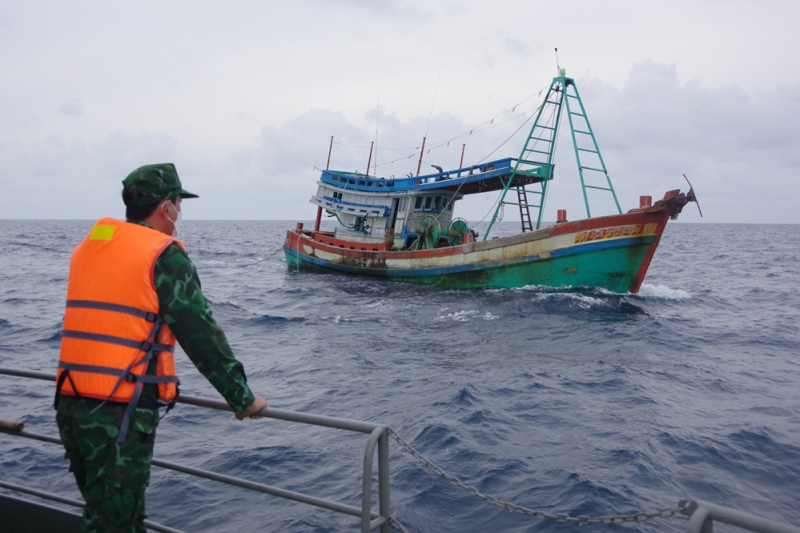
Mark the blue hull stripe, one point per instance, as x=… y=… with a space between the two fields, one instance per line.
x=562 y=252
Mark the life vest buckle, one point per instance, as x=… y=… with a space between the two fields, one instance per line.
x=146 y=346
x=151 y=317
x=130 y=377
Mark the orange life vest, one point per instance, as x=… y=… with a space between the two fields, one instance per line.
x=112 y=327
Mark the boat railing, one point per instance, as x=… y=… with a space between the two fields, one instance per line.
x=378 y=437
x=365 y=183
x=499 y=166
x=702 y=515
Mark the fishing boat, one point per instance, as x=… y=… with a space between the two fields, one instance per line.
x=405 y=229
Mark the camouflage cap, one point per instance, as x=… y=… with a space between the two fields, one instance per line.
x=155 y=183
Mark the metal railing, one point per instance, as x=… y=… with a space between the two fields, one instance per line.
x=703 y=514
x=378 y=436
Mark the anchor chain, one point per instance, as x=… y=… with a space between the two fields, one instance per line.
x=541 y=515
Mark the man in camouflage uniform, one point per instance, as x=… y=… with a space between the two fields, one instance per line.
x=113 y=477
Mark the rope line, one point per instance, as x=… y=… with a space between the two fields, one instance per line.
x=262 y=260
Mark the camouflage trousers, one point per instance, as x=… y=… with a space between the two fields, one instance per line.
x=111 y=477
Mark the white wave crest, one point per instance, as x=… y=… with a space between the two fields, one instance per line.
x=582 y=300
x=662 y=291
x=458 y=316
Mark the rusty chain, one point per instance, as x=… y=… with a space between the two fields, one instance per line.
x=541 y=515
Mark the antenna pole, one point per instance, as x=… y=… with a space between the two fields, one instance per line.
x=557 y=65
x=461 y=163
x=319 y=208
x=419 y=166
x=330 y=149
x=377 y=110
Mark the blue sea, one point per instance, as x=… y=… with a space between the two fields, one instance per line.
x=573 y=401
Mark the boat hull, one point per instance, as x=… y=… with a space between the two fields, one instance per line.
x=611 y=252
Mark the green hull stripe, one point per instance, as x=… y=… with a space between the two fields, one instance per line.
x=612 y=265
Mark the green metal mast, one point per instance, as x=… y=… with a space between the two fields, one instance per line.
x=596 y=160
x=536 y=158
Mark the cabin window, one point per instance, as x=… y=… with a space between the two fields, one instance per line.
x=351 y=182
x=428 y=201
x=336 y=178
x=402 y=207
x=437 y=203
x=361 y=183
x=361 y=224
x=418 y=203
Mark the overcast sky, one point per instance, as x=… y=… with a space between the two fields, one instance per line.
x=244 y=96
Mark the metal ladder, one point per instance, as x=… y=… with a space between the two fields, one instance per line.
x=537 y=154
x=536 y=158
x=524 y=211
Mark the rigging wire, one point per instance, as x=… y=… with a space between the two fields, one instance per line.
x=549 y=121
x=430 y=115
x=469 y=132
x=466 y=133
x=510 y=137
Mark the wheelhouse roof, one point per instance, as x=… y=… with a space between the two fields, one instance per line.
x=485 y=177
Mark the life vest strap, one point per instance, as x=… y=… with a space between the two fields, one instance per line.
x=144 y=346
x=60 y=383
x=136 y=378
x=105 y=306
x=126 y=418
x=139 y=383
x=91 y=368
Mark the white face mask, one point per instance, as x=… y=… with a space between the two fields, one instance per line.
x=177 y=220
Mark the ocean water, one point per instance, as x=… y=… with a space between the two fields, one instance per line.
x=570 y=401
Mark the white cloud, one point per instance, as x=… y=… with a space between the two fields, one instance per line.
x=737 y=149
x=60 y=178
x=243 y=98
x=73 y=106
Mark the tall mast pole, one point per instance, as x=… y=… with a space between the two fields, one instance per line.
x=419 y=165
x=369 y=161
x=377 y=111
x=319 y=208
